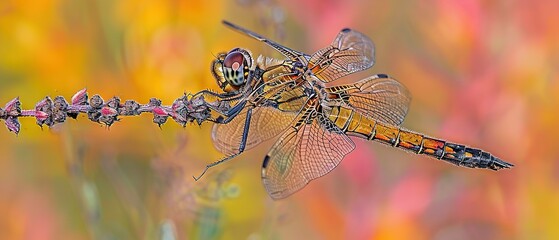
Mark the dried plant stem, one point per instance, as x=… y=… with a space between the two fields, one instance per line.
x=185 y=109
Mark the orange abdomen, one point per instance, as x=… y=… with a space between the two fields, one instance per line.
x=355 y=124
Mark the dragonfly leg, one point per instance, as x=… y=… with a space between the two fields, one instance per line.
x=232 y=113
x=223 y=98
x=242 y=146
x=217 y=95
x=214 y=164
x=245 y=131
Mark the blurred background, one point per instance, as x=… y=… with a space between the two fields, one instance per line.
x=482 y=73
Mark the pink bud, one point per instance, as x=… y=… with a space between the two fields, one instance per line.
x=46 y=102
x=80 y=97
x=108 y=111
x=160 y=111
x=13 y=124
x=13 y=107
x=177 y=105
x=41 y=116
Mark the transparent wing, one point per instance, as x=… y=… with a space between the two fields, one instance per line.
x=312 y=148
x=286 y=99
x=276 y=108
x=265 y=123
x=350 y=52
x=379 y=97
x=290 y=53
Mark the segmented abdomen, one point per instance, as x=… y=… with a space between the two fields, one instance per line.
x=355 y=124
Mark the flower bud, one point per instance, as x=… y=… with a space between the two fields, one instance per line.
x=13 y=108
x=12 y=124
x=80 y=98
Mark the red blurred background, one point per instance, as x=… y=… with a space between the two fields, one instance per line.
x=483 y=73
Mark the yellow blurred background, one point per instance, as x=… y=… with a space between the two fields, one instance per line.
x=482 y=73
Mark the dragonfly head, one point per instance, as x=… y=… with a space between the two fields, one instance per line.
x=231 y=70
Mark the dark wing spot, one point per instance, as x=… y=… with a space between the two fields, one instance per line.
x=266 y=161
x=382 y=75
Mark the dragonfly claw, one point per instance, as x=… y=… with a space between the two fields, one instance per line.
x=201 y=174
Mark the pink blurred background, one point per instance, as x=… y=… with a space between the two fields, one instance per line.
x=482 y=73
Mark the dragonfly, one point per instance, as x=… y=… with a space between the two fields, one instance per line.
x=296 y=99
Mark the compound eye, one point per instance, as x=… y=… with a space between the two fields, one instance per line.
x=235 y=69
x=234 y=60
